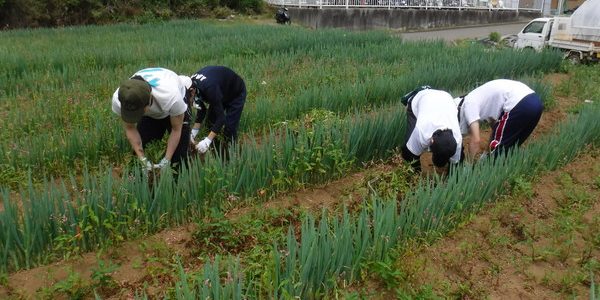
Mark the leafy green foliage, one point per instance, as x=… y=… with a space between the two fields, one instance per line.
x=31 y=13
x=386 y=272
x=219 y=234
x=523 y=187
x=393 y=184
x=74 y=287
x=102 y=275
x=495 y=36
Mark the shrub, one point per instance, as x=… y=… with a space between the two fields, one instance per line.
x=51 y=13
x=495 y=37
x=222 y=12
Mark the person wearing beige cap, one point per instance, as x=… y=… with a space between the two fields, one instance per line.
x=151 y=103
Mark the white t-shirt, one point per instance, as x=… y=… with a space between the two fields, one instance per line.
x=168 y=91
x=488 y=101
x=434 y=110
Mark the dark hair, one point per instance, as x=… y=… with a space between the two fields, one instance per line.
x=443 y=146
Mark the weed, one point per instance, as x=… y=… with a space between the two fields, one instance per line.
x=154 y=151
x=386 y=272
x=570 y=281
x=67 y=244
x=221 y=235
x=11 y=176
x=159 y=269
x=498 y=239
x=573 y=196
x=593 y=265
x=102 y=275
x=523 y=187
x=393 y=184
x=565 y=250
x=464 y=290
x=73 y=286
x=423 y=292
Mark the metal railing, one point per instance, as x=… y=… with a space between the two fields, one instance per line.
x=534 y=5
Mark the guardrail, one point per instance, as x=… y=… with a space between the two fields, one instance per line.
x=414 y=4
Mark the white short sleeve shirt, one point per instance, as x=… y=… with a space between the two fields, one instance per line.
x=435 y=110
x=168 y=92
x=487 y=102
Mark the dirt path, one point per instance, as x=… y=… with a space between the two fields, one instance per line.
x=140 y=261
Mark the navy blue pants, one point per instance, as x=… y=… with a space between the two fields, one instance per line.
x=515 y=126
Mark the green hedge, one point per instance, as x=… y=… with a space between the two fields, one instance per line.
x=52 y=13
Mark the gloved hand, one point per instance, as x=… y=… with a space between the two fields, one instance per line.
x=163 y=164
x=146 y=164
x=204 y=144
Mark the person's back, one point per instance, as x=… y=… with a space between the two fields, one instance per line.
x=432 y=124
x=166 y=89
x=511 y=107
x=488 y=101
x=229 y=82
x=435 y=109
x=224 y=92
x=152 y=103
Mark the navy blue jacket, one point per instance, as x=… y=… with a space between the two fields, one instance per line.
x=219 y=87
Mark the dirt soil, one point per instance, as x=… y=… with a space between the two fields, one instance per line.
x=135 y=259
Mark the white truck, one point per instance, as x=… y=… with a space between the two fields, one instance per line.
x=578 y=35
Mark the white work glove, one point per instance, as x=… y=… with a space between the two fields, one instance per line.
x=204 y=144
x=163 y=164
x=193 y=135
x=146 y=164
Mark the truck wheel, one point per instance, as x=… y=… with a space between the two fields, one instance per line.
x=574 y=58
x=528 y=49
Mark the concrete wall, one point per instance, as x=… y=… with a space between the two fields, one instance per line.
x=402 y=19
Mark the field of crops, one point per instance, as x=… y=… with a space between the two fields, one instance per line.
x=321 y=105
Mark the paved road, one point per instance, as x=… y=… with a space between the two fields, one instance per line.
x=463 y=33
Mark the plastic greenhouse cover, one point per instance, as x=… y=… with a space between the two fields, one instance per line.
x=585 y=21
